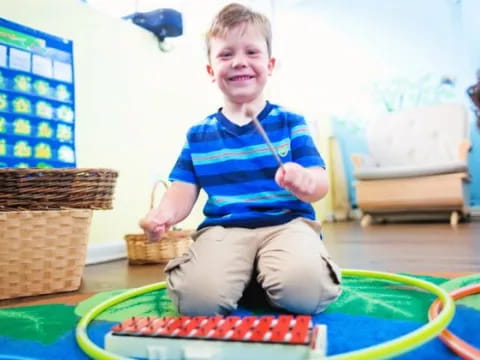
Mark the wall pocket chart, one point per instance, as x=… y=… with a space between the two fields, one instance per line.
x=37 y=107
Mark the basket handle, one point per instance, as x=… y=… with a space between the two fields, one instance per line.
x=152 y=195
x=154 y=189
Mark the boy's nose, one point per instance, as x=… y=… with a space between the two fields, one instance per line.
x=239 y=61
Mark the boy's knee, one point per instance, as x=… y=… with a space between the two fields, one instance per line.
x=303 y=289
x=329 y=293
x=192 y=296
x=199 y=303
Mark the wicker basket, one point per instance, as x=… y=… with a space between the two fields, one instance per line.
x=41 y=189
x=42 y=252
x=172 y=244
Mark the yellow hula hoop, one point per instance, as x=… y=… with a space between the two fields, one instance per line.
x=383 y=350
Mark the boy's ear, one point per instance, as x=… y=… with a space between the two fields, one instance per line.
x=210 y=72
x=271 y=65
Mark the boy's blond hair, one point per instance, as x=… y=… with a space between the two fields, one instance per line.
x=235 y=14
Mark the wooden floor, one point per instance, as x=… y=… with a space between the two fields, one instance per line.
x=419 y=248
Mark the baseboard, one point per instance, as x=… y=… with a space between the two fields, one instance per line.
x=98 y=253
x=475 y=212
x=353 y=214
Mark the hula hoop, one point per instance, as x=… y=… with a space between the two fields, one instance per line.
x=383 y=350
x=457 y=345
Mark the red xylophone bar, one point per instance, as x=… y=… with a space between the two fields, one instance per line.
x=225 y=326
x=261 y=330
x=300 y=330
x=280 y=330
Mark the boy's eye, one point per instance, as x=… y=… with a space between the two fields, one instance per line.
x=252 y=52
x=225 y=54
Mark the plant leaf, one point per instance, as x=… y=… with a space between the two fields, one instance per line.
x=155 y=303
x=382 y=299
x=472 y=301
x=44 y=323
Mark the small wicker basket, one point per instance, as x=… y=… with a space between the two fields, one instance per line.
x=41 y=189
x=172 y=244
x=42 y=252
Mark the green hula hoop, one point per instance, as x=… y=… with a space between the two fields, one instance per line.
x=383 y=350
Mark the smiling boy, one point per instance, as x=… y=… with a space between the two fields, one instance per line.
x=259 y=222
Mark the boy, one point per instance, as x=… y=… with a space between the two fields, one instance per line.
x=259 y=222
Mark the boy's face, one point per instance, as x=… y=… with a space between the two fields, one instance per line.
x=240 y=64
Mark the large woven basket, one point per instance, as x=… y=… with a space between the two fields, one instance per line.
x=172 y=244
x=42 y=252
x=40 y=189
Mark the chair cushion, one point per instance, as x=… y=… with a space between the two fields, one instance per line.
x=423 y=136
x=399 y=171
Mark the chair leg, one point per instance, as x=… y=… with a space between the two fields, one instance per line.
x=454 y=217
x=366 y=220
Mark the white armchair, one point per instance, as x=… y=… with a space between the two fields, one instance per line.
x=417 y=164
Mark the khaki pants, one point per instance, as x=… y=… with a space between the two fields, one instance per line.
x=290 y=263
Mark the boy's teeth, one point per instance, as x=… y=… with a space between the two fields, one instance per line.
x=243 y=77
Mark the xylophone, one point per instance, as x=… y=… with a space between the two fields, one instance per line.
x=218 y=338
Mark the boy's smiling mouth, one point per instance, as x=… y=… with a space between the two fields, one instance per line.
x=240 y=77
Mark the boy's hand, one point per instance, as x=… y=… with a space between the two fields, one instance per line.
x=176 y=204
x=154 y=224
x=296 y=179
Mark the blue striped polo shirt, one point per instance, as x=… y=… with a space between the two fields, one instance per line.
x=236 y=169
